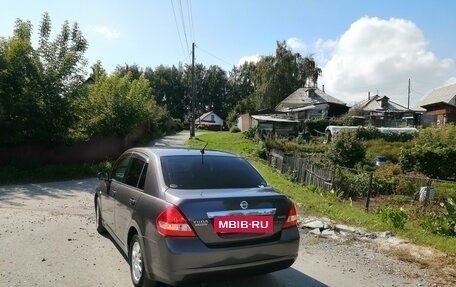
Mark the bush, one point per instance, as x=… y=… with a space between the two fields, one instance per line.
x=235 y=129
x=433 y=161
x=395 y=218
x=346 y=150
x=434 y=153
x=316 y=124
x=250 y=133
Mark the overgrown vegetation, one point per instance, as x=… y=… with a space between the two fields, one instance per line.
x=407 y=222
x=434 y=153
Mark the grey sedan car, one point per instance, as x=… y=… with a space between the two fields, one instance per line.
x=191 y=215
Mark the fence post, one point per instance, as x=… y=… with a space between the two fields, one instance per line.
x=369 y=189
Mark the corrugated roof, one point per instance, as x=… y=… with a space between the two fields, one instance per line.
x=375 y=104
x=445 y=94
x=303 y=97
x=273 y=118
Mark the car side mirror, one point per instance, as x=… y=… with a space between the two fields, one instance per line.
x=104 y=175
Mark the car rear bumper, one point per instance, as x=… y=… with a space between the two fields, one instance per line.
x=177 y=260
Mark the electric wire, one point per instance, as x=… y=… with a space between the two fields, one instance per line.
x=183 y=24
x=178 y=32
x=213 y=55
x=190 y=19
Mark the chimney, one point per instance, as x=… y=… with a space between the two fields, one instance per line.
x=369 y=95
x=323 y=88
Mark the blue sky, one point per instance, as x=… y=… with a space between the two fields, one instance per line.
x=361 y=45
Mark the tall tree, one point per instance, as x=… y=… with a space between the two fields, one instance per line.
x=40 y=85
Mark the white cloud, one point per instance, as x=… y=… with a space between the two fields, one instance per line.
x=105 y=31
x=248 y=59
x=296 y=45
x=450 y=81
x=377 y=54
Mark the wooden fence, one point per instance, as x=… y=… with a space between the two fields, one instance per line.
x=302 y=170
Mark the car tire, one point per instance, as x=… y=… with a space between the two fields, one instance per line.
x=136 y=260
x=98 y=218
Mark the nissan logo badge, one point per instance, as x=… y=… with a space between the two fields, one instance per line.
x=244 y=204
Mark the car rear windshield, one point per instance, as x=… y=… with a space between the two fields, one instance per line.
x=209 y=172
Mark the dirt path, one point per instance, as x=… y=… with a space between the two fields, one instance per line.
x=48 y=238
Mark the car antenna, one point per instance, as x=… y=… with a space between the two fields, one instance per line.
x=202 y=150
x=202 y=153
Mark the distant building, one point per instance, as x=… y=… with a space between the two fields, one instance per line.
x=210 y=120
x=308 y=103
x=440 y=106
x=384 y=112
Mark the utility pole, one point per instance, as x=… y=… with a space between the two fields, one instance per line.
x=192 y=117
x=408 y=96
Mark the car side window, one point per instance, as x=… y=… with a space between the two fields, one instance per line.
x=120 y=169
x=134 y=175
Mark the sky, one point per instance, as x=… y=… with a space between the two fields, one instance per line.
x=362 y=46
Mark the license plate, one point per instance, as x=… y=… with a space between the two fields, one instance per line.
x=244 y=224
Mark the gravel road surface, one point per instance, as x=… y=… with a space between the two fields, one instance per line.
x=48 y=238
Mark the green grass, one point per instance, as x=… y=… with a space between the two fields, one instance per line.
x=314 y=201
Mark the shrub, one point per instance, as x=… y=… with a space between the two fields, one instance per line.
x=235 y=129
x=395 y=218
x=368 y=133
x=346 y=150
x=250 y=133
x=433 y=161
x=316 y=124
x=434 y=153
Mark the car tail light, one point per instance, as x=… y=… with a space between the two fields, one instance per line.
x=292 y=219
x=171 y=222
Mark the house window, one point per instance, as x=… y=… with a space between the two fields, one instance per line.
x=212 y=118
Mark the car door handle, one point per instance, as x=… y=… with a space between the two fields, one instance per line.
x=132 y=201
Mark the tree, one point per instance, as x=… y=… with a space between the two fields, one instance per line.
x=116 y=105
x=169 y=89
x=346 y=149
x=39 y=86
x=273 y=78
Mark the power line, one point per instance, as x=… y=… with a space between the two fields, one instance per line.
x=190 y=19
x=216 y=57
x=183 y=24
x=178 y=32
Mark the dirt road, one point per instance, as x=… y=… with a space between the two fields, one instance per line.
x=48 y=238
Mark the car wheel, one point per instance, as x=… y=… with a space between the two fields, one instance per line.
x=98 y=218
x=136 y=260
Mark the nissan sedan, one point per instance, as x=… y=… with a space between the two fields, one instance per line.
x=188 y=215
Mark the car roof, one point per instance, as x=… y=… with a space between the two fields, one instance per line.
x=167 y=151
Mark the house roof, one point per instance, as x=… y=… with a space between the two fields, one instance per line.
x=273 y=118
x=446 y=95
x=374 y=104
x=304 y=97
x=201 y=118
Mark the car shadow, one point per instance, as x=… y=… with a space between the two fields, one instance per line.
x=289 y=277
